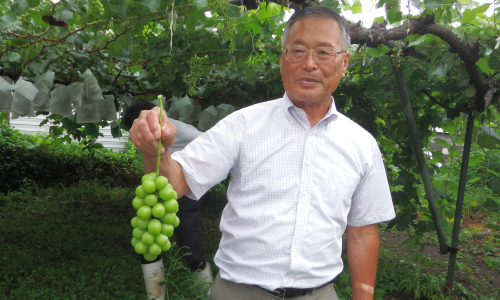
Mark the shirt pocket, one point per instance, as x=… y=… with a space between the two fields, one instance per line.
x=342 y=187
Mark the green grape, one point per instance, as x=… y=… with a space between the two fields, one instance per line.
x=143 y=224
x=161 y=239
x=96 y=7
x=154 y=227
x=161 y=182
x=151 y=200
x=135 y=241
x=168 y=218
x=171 y=206
x=176 y=222
x=167 y=229
x=141 y=248
x=148 y=238
x=138 y=233
x=154 y=249
x=158 y=210
x=149 y=257
x=137 y=202
x=146 y=177
x=139 y=191
x=144 y=212
x=149 y=186
x=134 y=222
x=25 y=19
x=166 y=247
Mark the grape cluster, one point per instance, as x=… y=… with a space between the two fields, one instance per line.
x=156 y=219
x=96 y=7
x=136 y=54
x=25 y=19
x=195 y=72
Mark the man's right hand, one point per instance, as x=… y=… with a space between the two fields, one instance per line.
x=146 y=132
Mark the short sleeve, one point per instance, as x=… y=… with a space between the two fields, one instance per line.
x=208 y=159
x=371 y=202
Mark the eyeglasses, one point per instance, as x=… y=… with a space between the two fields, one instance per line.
x=321 y=55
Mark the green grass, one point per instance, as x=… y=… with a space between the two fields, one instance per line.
x=73 y=243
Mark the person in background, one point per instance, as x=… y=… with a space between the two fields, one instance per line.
x=188 y=231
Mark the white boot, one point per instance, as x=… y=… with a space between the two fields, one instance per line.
x=153 y=275
x=205 y=275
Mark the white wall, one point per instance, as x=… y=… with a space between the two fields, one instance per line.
x=31 y=126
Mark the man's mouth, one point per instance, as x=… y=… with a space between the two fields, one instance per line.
x=307 y=80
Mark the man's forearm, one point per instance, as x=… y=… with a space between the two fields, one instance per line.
x=362 y=257
x=170 y=169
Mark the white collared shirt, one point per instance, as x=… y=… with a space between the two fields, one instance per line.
x=293 y=191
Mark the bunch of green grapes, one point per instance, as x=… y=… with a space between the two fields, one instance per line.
x=136 y=54
x=25 y=19
x=96 y=7
x=195 y=72
x=156 y=204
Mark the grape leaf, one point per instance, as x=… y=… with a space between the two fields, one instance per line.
x=356 y=7
x=12 y=57
x=491 y=205
x=468 y=16
x=201 y=3
x=151 y=4
x=91 y=129
x=38 y=20
x=470 y=91
x=495 y=186
x=70 y=5
x=8 y=20
x=441 y=142
x=482 y=63
x=474 y=160
x=481 y=9
x=19 y=6
x=379 y=51
x=33 y=3
x=488 y=142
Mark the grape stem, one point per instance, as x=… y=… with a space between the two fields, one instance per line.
x=160 y=97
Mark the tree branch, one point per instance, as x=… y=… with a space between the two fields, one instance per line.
x=433 y=99
x=469 y=54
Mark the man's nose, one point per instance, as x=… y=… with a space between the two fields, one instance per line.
x=309 y=61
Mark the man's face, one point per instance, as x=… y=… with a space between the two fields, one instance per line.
x=309 y=82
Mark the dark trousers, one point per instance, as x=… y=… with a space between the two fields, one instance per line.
x=188 y=232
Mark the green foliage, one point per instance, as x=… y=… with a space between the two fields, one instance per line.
x=73 y=243
x=29 y=161
x=207 y=65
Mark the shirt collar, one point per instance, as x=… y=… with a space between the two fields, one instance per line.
x=331 y=114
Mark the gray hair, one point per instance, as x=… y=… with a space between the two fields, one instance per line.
x=318 y=12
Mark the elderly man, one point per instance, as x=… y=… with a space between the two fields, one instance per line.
x=302 y=175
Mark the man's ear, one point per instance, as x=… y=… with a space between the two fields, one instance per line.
x=346 y=61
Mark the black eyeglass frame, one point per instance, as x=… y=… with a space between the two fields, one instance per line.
x=313 y=53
